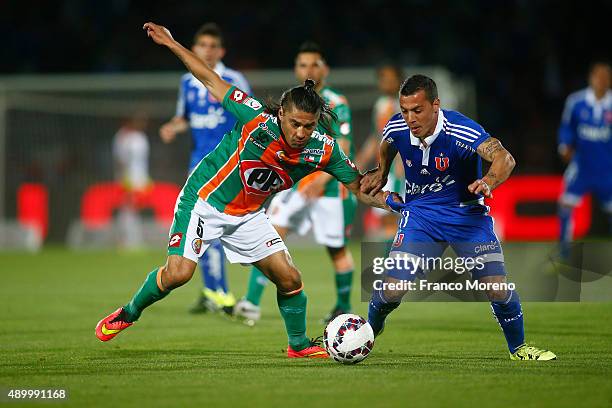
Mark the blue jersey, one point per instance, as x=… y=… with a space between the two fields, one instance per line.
x=585 y=126
x=208 y=121
x=437 y=176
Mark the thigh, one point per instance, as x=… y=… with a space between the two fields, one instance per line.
x=191 y=230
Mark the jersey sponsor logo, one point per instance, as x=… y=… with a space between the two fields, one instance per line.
x=594 y=133
x=238 y=96
x=258 y=139
x=323 y=138
x=442 y=163
x=263 y=126
x=273 y=241
x=318 y=152
x=263 y=179
x=310 y=158
x=399 y=238
x=439 y=184
x=252 y=103
x=464 y=146
x=210 y=120
x=175 y=240
x=196 y=245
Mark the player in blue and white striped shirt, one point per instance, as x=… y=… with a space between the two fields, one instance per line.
x=200 y=112
x=585 y=143
x=444 y=203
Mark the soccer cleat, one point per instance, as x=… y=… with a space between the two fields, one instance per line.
x=336 y=311
x=206 y=302
x=526 y=352
x=111 y=325
x=225 y=302
x=247 y=311
x=313 y=351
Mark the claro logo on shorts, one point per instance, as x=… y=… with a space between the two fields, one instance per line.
x=175 y=240
x=273 y=241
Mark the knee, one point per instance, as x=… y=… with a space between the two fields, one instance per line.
x=499 y=295
x=341 y=258
x=289 y=282
x=176 y=273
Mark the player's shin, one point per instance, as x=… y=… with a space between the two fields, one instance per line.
x=344 y=282
x=292 y=308
x=565 y=218
x=257 y=284
x=378 y=311
x=148 y=294
x=509 y=315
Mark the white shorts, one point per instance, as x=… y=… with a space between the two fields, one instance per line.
x=245 y=239
x=325 y=215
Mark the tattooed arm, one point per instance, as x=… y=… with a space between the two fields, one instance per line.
x=502 y=164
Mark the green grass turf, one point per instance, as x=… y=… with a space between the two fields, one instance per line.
x=432 y=354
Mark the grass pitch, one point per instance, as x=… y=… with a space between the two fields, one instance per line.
x=432 y=354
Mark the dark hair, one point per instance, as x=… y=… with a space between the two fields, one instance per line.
x=306 y=99
x=417 y=83
x=397 y=70
x=598 y=63
x=310 y=46
x=211 y=29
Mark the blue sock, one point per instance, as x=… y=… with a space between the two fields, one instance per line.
x=509 y=315
x=378 y=310
x=212 y=266
x=565 y=238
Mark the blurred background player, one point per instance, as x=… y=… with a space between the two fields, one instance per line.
x=199 y=111
x=318 y=201
x=131 y=155
x=585 y=145
x=379 y=223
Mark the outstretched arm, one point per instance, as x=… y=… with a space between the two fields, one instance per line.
x=213 y=82
x=376 y=200
x=502 y=164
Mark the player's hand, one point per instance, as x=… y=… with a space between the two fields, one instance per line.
x=167 y=132
x=314 y=189
x=160 y=34
x=393 y=201
x=566 y=152
x=372 y=181
x=480 y=187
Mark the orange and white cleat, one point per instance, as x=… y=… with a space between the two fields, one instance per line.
x=313 y=351
x=111 y=325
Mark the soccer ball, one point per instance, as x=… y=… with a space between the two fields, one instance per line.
x=348 y=338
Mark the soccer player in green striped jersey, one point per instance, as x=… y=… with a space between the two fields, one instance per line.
x=318 y=201
x=270 y=149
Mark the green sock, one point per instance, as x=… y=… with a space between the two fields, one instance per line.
x=344 y=282
x=148 y=294
x=257 y=284
x=293 y=311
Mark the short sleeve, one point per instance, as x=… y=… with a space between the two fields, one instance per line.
x=244 y=107
x=181 y=107
x=341 y=167
x=394 y=126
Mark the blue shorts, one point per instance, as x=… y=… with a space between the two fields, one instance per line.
x=424 y=234
x=576 y=184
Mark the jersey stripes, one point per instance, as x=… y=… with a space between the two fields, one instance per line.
x=395 y=125
x=461 y=132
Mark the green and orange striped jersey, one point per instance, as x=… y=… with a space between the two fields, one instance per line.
x=253 y=161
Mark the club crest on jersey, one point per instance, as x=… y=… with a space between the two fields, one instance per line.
x=399 y=238
x=281 y=155
x=196 y=244
x=263 y=179
x=442 y=163
x=238 y=96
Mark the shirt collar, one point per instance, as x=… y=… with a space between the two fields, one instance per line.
x=592 y=101
x=415 y=141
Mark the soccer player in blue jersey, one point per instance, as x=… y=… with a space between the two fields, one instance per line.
x=444 y=202
x=585 y=143
x=199 y=111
